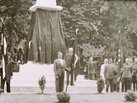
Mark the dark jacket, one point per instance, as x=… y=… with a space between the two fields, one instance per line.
x=92 y=67
x=127 y=71
x=59 y=67
x=9 y=69
x=110 y=71
x=134 y=69
x=68 y=60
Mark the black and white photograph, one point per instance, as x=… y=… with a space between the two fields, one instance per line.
x=68 y=51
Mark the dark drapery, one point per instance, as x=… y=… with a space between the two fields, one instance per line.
x=46 y=36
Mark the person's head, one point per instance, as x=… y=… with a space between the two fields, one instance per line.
x=130 y=60
x=70 y=50
x=135 y=60
x=127 y=60
x=91 y=59
x=110 y=60
x=105 y=61
x=59 y=55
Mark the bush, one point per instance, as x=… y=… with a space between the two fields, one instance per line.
x=100 y=85
x=42 y=84
x=130 y=96
x=63 y=97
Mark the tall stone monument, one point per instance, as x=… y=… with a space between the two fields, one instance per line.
x=46 y=36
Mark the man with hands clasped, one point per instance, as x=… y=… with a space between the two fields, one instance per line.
x=59 y=69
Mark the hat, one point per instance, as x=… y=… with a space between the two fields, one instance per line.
x=50 y=5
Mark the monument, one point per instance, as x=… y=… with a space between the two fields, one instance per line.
x=46 y=36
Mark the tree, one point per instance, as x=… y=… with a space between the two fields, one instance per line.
x=102 y=23
x=16 y=19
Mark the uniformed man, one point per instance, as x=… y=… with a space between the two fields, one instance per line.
x=126 y=76
x=134 y=75
x=109 y=73
x=92 y=69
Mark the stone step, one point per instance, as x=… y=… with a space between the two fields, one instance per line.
x=71 y=89
x=26 y=81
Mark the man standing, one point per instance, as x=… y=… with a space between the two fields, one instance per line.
x=126 y=76
x=134 y=74
x=8 y=72
x=70 y=65
x=102 y=69
x=109 y=73
x=59 y=67
x=92 y=69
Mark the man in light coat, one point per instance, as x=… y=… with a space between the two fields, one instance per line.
x=102 y=69
x=59 y=68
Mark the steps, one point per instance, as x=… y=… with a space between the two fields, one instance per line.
x=26 y=81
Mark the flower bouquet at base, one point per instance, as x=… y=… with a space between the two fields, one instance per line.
x=63 y=97
x=130 y=96
x=100 y=85
x=42 y=84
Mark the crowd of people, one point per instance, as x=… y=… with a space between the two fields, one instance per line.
x=61 y=65
x=115 y=78
x=12 y=60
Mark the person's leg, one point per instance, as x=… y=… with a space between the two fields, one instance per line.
x=129 y=83
x=93 y=76
x=3 y=83
x=111 y=85
x=90 y=76
x=117 y=86
x=61 y=83
x=8 y=87
x=123 y=85
x=133 y=82
x=57 y=84
x=126 y=84
x=67 y=77
x=107 y=85
x=72 y=78
x=134 y=86
x=76 y=73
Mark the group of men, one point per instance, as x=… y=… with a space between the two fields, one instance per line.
x=9 y=64
x=114 y=76
x=68 y=65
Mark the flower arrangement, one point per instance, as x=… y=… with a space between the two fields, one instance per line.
x=100 y=85
x=130 y=96
x=42 y=84
x=63 y=97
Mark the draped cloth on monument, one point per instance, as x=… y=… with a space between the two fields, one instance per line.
x=46 y=36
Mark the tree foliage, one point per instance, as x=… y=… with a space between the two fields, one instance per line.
x=108 y=24
x=15 y=18
x=103 y=23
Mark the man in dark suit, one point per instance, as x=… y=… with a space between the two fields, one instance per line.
x=70 y=65
x=59 y=68
x=8 y=72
